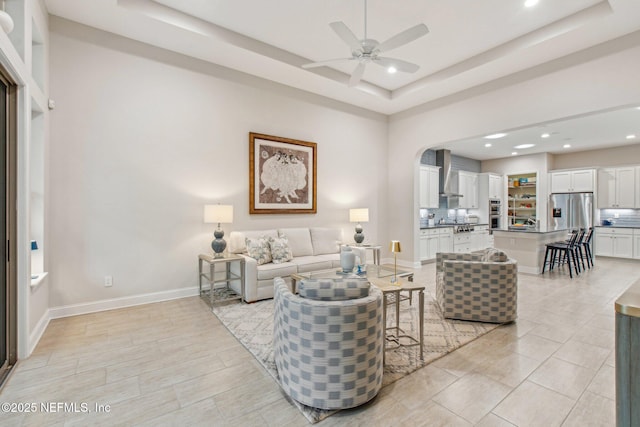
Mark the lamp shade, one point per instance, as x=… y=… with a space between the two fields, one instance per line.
x=394 y=246
x=359 y=215
x=218 y=214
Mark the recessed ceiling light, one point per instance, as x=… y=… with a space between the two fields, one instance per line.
x=566 y=146
x=495 y=136
x=487 y=144
x=521 y=146
x=530 y=3
x=515 y=153
x=631 y=136
x=392 y=70
x=545 y=135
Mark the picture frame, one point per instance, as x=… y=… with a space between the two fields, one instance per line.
x=282 y=175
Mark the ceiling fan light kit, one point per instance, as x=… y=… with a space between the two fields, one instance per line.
x=367 y=50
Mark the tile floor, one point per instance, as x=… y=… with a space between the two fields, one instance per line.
x=173 y=363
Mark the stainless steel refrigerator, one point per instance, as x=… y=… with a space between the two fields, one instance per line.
x=570 y=211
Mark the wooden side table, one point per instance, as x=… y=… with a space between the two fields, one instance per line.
x=218 y=294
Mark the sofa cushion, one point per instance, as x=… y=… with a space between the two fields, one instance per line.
x=280 y=250
x=237 y=242
x=258 y=248
x=271 y=270
x=326 y=240
x=332 y=259
x=333 y=289
x=299 y=240
x=311 y=263
x=494 y=255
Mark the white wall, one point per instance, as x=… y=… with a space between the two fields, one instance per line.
x=618 y=156
x=589 y=81
x=141 y=139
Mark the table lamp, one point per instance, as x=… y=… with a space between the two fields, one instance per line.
x=359 y=215
x=218 y=214
x=395 y=248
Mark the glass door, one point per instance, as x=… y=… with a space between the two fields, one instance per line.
x=8 y=299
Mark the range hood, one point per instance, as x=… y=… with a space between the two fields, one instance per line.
x=447 y=190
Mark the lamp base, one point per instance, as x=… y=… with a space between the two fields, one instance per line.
x=218 y=244
x=358 y=237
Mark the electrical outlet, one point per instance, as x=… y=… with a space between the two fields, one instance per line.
x=108 y=281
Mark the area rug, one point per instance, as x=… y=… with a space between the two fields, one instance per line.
x=252 y=325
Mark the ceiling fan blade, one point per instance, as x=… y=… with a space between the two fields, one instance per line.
x=346 y=35
x=400 y=39
x=399 y=64
x=357 y=74
x=327 y=62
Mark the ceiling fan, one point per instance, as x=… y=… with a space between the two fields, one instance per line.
x=366 y=50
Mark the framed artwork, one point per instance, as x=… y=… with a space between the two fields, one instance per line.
x=282 y=175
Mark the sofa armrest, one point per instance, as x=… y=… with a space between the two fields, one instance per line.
x=250 y=276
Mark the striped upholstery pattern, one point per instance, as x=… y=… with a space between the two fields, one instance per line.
x=470 y=289
x=333 y=289
x=329 y=354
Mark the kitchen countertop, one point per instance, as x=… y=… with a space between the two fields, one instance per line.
x=629 y=302
x=617 y=226
x=525 y=230
x=448 y=226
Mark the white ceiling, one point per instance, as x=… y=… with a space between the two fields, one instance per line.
x=470 y=42
x=588 y=132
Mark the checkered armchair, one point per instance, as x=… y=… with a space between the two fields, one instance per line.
x=480 y=286
x=328 y=352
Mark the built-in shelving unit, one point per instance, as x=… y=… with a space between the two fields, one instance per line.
x=522 y=200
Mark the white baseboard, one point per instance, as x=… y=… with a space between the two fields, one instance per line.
x=38 y=331
x=528 y=270
x=115 y=303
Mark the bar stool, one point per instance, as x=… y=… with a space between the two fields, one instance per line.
x=586 y=245
x=563 y=252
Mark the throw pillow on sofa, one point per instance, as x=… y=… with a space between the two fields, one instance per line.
x=280 y=250
x=259 y=249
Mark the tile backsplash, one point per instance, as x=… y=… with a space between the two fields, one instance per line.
x=626 y=217
x=449 y=215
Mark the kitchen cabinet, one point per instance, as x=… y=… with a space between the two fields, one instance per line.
x=617 y=187
x=490 y=186
x=445 y=241
x=434 y=240
x=636 y=243
x=495 y=186
x=574 y=181
x=614 y=242
x=468 y=189
x=462 y=243
x=471 y=241
x=429 y=186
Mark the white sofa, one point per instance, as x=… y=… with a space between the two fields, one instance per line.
x=313 y=249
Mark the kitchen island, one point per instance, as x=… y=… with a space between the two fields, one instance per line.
x=527 y=246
